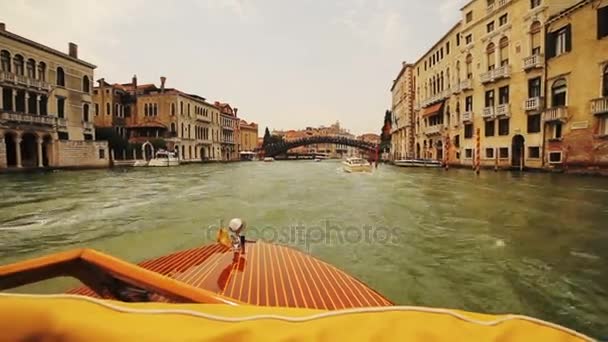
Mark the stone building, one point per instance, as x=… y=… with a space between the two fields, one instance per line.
x=45 y=107
x=229 y=123
x=402 y=130
x=248 y=136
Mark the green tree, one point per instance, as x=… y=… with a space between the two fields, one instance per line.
x=158 y=144
x=266 y=137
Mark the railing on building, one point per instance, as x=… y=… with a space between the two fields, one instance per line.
x=433 y=130
x=467 y=117
x=62 y=123
x=488 y=113
x=87 y=125
x=456 y=88
x=533 y=104
x=559 y=113
x=496 y=74
x=28 y=118
x=466 y=84
x=533 y=62
x=496 y=5
x=6 y=76
x=599 y=106
x=436 y=98
x=503 y=110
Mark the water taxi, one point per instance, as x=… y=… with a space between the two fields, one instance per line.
x=356 y=165
x=164 y=158
x=417 y=163
x=261 y=292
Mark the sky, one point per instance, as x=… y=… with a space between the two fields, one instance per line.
x=285 y=64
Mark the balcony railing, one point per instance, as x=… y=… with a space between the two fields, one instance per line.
x=488 y=113
x=6 y=76
x=559 y=113
x=62 y=123
x=495 y=74
x=456 y=88
x=497 y=5
x=87 y=125
x=533 y=62
x=487 y=76
x=466 y=84
x=436 y=98
x=503 y=110
x=433 y=130
x=533 y=104
x=467 y=117
x=31 y=119
x=599 y=106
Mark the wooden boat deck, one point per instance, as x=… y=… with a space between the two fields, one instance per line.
x=266 y=275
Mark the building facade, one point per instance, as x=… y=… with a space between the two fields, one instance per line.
x=248 y=136
x=46 y=107
x=229 y=132
x=402 y=130
x=327 y=149
x=484 y=93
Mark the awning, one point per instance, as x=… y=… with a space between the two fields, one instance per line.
x=148 y=124
x=432 y=110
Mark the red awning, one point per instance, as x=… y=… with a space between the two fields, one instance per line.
x=434 y=109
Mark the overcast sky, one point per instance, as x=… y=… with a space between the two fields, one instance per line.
x=284 y=64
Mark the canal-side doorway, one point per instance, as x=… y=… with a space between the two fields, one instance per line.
x=517 y=151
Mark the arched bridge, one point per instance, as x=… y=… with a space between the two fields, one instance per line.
x=277 y=148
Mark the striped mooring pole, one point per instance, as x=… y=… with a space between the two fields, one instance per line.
x=446 y=152
x=478 y=151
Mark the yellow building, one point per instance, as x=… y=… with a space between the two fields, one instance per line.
x=402 y=130
x=576 y=117
x=46 y=107
x=248 y=136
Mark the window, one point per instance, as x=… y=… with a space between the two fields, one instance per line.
x=559 y=42
x=504 y=51
x=534 y=152
x=102 y=153
x=605 y=82
x=116 y=111
x=441 y=54
x=503 y=19
x=458 y=39
x=503 y=126
x=60 y=77
x=5 y=60
x=489 y=153
x=146 y=109
x=534 y=85
x=603 y=125
x=88 y=136
x=457 y=141
x=503 y=152
x=107 y=108
x=535 y=38
x=468 y=39
x=96 y=109
x=489 y=128
x=469 y=16
x=490 y=51
x=85 y=112
x=490 y=26
x=447 y=48
x=559 y=93
x=468 y=131
x=503 y=95
x=602 y=22
x=534 y=123
x=30 y=67
x=468 y=104
x=557 y=131
x=63 y=135
x=468 y=153
x=534 y=3
x=18 y=64
x=86 y=84
x=489 y=98
x=555 y=157
x=172 y=108
x=60 y=107
x=181 y=107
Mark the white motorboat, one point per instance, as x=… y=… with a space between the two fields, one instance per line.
x=268 y=159
x=417 y=163
x=357 y=165
x=164 y=158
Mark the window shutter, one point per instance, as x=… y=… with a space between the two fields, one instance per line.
x=569 y=37
x=550 y=44
x=602 y=22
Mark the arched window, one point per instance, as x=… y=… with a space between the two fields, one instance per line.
x=469 y=63
x=5 y=60
x=146 y=109
x=42 y=71
x=447 y=76
x=18 y=64
x=172 y=108
x=96 y=109
x=107 y=108
x=504 y=51
x=491 y=52
x=535 y=38
x=116 y=109
x=85 y=112
x=86 y=86
x=441 y=87
x=559 y=92
x=605 y=82
x=181 y=107
x=188 y=109
x=173 y=127
x=30 y=68
x=155 y=109
x=182 y=130
x=60 y=77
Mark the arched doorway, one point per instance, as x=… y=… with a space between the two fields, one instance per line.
x=176 y=150
x=47 y=150
x=9 y=144
x=29 y=150
x=417 y=150
x=202 y=153
x=517 y=151
x=147 y=150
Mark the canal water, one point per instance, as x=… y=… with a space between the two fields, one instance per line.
x=533 y=244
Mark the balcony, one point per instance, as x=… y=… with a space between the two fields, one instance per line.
x=466 y=84
x=9 y=77
x=88 y=126
x=488 y=113
x=433 y=130
x=559 y=113
x=599 y=106
x=31 y=119
x=503 y=110
x=534 y=62
x=487 y=76
x=496 y=5
x=502 y=72
x=467 y=117
x=456 y=88
x=62 y=123
x=534 y=104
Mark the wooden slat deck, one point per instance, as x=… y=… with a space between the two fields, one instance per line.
x=267 y=275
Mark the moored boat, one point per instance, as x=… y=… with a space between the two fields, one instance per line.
x=356 y=165
x=268 y=159
x=164 y=158
x=417 y=163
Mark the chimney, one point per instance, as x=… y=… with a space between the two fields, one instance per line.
x=162 y=84
x=235 y=111
x=217 y=104
x=73 y=50
x=134 y=81
x=2 y=27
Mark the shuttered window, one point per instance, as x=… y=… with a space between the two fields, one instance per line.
x=559 y=42
x=602 y=22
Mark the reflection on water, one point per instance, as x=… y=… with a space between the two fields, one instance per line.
x=531 y=244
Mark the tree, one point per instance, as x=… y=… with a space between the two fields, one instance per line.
x=159 y=144
x=266 y=137
x=385 y=135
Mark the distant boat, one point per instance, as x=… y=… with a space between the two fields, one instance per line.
x=356 y=165
x=418 y=163
x=164 y=158
x=317 y=160
x=268 y=159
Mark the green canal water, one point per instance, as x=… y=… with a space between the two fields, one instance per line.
x=533 y=244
